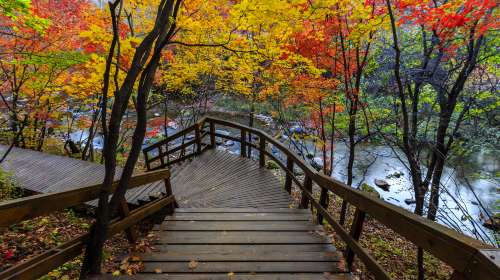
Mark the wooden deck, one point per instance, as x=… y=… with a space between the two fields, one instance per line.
x=235 y=220
x=220 y=179
x=225 y=180
x=38 y=172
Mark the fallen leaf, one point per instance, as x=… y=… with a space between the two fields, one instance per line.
x=116 y=273
x=193 y=264
x=158 y=270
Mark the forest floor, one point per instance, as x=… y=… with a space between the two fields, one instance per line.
x=24 y=240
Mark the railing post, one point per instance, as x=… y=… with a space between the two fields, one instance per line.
x=197 y=136
x=249 y=147
x=146 y=160
x=129 y=232
x=167 y=154
x=212 y=135
x=356 y=228
x=243 y=145
x=169 y=192
x=160 y=153
x=304 y=202
x=262 y=150
x=288 y=179
x=323 y=201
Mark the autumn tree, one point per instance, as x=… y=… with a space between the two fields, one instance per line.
x=453 y=37
x=34 y=61
x=162 y=25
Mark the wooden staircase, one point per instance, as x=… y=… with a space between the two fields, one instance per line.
x=242 y=243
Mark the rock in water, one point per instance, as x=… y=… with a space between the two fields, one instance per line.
x=382 y=184
x=493 y=224
x=410 y=201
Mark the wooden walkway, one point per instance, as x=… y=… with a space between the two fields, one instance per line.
x=220 y=179
x=38 y=172
x=225 y=180
x=234 y=218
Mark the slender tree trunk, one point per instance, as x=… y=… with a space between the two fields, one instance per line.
x=143 y=67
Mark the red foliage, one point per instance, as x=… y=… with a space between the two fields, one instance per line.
x=452 y=20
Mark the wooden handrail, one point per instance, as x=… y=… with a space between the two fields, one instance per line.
x=469 y=257
x=163 y=148
x=17 y=210
x=45 y=262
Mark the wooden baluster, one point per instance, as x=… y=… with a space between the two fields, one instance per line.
x=146 y=160
x=168 y=155
x=288 y=179
x=130 y=232
x=262 y=149
x=323 y=201
x=212 y=135
x=160 y=153
x=243 y=146
x=169 y=192
x=197 y=136
x=249 y=147
x=304 y=202
x=356 y=228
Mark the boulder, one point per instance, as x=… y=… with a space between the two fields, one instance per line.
x=493 y=224
x=382 y=184
x=396 y=174
x=410 y=201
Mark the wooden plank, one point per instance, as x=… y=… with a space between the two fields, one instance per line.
x=242 y=210
x=242 y=267
x=240 y=237
x=242 y=257
x=236 y=276
x=238 y=217
x=238 y=226
x=244 y=248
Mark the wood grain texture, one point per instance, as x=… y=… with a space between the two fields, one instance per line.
x=40 y=173
x=248 y=243
x=220 y=179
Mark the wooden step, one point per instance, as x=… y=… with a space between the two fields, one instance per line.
x=236 y=276
x=242 y=243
